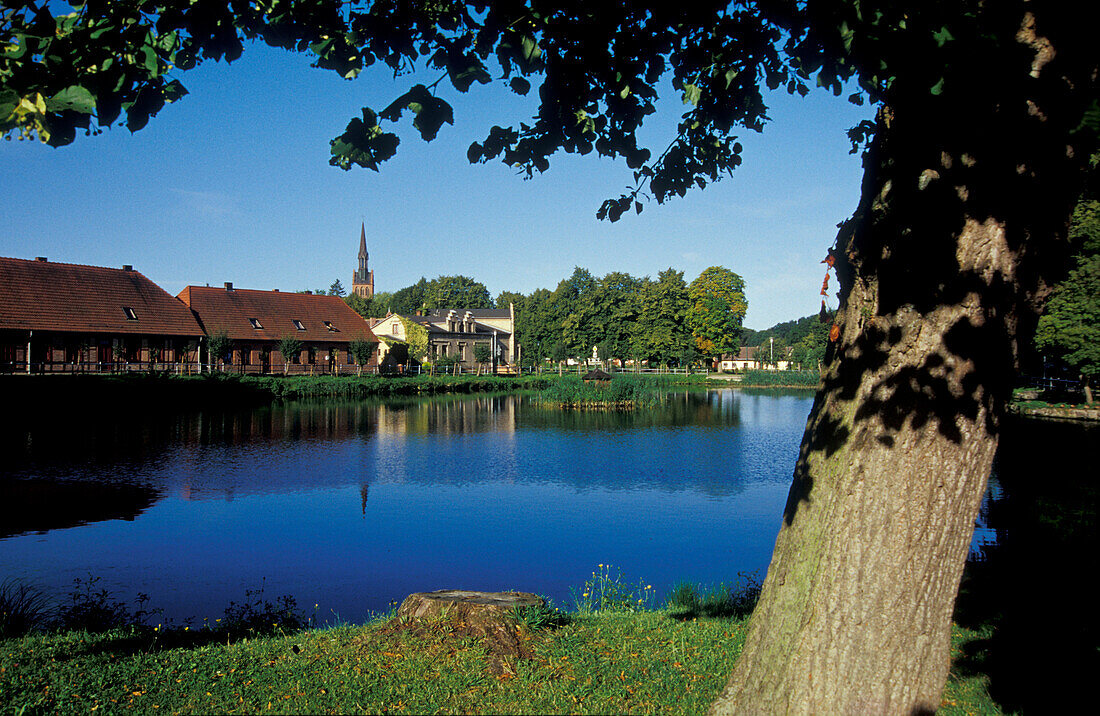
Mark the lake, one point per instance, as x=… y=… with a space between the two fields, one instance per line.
x=351 y=506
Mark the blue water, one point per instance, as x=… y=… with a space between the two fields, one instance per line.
x=351 y=506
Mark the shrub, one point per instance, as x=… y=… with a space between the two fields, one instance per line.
x=94 y=609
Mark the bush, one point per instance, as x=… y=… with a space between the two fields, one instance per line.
x=94 y=609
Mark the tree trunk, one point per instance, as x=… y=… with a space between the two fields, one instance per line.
x=965 y=206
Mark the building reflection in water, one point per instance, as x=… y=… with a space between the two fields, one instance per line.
x=117 y=468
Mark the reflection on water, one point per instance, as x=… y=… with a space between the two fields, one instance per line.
x=353 y=504
x=41 y=504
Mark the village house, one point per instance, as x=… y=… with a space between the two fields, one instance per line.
x=455 y=332
x=746 y=359
x=58 y=317
x=255 y=321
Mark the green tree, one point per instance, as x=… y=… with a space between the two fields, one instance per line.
x=718 y=307
x=377 y=306
x=217 y=347
x=459 y=292
x=809 y=351
x=407 y=301
x=615 y=306
x=362 y=350
x=986 y=114
x=482 y=354
x=506 y=298
x=1069 y=329
x=570 y=309
x=663 y=329
x=337 y=289
x=536 y=329
x=416 y=336
x=290 y=348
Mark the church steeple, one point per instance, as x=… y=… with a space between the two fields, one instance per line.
x=363 y=247
x=362 y=281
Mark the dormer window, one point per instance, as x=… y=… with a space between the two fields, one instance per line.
x=298 y=324
x=255 y=323
x=130 y=315
x=329 y=326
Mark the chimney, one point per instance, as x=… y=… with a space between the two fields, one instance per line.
x=127 y=267
x=228 y=285
x=40 y=258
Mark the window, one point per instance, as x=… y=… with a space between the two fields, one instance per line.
x=329 y=326
x=396 y=329
x=130 y=315
x=298 y=324
x=255 y=323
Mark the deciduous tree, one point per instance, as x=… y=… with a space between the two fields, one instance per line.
x=1069 y=328
x=290 y=348
x=718 y=307
x=459 y=292
x=407 y=301
x=663 y=330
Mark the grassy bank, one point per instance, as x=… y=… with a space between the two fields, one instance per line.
x=161 y=390
x=624 y=391
x=780 y=379
x=158 y=391
x=617 y=662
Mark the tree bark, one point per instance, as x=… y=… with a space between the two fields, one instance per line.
x=964 y=212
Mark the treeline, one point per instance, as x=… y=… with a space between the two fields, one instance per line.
x=802 y=341
x=619 y=316
x=664 y=320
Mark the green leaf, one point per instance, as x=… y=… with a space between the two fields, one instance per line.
x=692 y=94
x=942 y=36
x=531 y=49
x=75 y=98
x=150 y=60
x=937 y=88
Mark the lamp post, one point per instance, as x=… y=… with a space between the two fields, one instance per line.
x=771 y=349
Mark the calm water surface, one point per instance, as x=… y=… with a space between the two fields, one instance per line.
x=353 y=505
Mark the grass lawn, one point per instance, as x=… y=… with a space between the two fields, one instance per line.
x=604 y=663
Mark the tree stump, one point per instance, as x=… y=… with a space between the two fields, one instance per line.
x=488 y=616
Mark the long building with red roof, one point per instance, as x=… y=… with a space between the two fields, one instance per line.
x=59 y=317
x=256 y=321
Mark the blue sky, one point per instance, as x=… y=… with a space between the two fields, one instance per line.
x=233 y=184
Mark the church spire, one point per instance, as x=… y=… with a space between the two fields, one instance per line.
x=362 y=281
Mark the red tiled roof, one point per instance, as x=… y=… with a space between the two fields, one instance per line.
x=49 y=296
x=219 y=309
